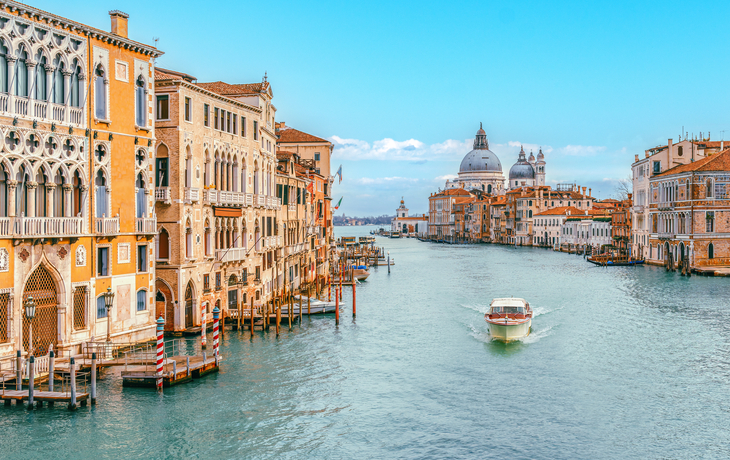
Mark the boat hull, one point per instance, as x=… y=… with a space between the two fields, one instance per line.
x=509 y=332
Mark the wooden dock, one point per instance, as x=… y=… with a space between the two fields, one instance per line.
x=42 y=396
x=175 y=370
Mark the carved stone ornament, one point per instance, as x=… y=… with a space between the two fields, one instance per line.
x=4 y=260
x=62 y=253
x=81 y=256
x=24 y=254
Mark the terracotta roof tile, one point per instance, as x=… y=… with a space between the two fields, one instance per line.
x=562 y=211
x=227 y=89
x=291 y=135
x=717 y=162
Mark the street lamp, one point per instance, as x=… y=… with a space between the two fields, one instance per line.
x=30 y=305
x=108 y=303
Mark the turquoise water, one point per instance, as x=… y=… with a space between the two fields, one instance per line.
x=621 y=363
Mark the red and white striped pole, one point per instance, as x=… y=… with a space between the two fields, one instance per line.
x=203 y=338
x=160 y=349
x=216 y=313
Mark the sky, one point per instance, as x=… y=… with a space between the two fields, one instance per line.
x=401 y=87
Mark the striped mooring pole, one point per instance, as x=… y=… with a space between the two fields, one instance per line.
x=216 y=313
x=160 y=349
x=203 y=338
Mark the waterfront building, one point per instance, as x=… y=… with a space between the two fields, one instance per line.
x=214 y=173
x=297 y=210
x=657 y=160
x=480 y=169
x=588 y=228
x=548 y=225
x=478 y=218
x=621 y=225
x=689 y=215
x=68 y=229
x=524 y=202
x=499 y=233
x=441 y=217
x=406 y=224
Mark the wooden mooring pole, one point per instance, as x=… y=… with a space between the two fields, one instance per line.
x=31 y=381
x=354 y=296
x=93 y=378
x=18 y=373
x=337 y=307
x=72 y=369
x=51 y=365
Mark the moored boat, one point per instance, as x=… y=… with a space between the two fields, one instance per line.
x=509 y=319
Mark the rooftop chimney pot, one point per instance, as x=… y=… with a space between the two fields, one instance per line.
x=119 y=23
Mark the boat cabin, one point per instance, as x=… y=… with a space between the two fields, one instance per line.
x=509 y=308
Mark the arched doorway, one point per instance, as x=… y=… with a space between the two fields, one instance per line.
x=189 y=305
x=42 y=288
x=681 y=251
x=666 y=252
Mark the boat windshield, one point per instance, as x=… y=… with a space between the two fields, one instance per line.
x=508 y=310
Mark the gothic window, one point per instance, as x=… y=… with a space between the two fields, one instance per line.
x=77 y=194
x=163 y=245
x=100 y=93
x=208 y=239
x=40 y=195
x=57 y=92
x=76 y=90
x=20 y=88
x=102 y=195
x=40 y=92
x=141 y=197
x=711 y=251
x=188 y=167
x=3 y=192
x=3 y=68
x=188 y=240
x=100 y=307
x=140 y=96
x=21 y=194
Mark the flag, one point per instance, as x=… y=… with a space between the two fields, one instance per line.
x=339 y=173
x=310 y=189
x=338 y=204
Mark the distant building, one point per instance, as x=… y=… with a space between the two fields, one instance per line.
x=404 y=223
x=441 y=212
x=527 y=172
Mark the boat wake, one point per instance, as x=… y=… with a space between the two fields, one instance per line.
x=536 y=335
x=482 y=335
x=537 y=311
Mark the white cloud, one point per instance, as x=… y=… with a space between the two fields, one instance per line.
x=390 y=149
x=385 y=180
x=446 y=177
x=581 y=150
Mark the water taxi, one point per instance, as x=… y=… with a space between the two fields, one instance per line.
x=509 y=319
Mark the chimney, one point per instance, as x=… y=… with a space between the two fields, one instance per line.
x=636 y=158
x=584 y=192
x=646 y=154
x=669 y=145
x=281 y=125
x=119 y=23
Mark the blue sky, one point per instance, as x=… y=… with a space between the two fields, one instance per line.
x=402 y=86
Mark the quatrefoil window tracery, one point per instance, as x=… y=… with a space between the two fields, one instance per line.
x=69 y=148
x=51 y=146
x=32 y=143
x=100 y=154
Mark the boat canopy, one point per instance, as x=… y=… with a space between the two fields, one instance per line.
x=508 y=309
x=509 y=302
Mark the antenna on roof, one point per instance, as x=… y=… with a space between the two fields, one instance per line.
x=155 y=39
x=265 y=77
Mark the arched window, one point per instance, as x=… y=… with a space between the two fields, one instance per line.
x=141 y=300
x=100 y=93
x=20 y=87
x=244 y=189
x=3 y=68
x=77 y=194
x=711 y=251
x=57 y=89
x=208 y=239
x=76 y=89
x=489 y=188
x=256 y=180
x=188 y=240
x=141 y=197
x=102 y=195
x=101 y=311
x=40 y=91
x=21 y=194
x=188 y=167
x=3 y=192
x=140 y=96
x=163 y=245
x=40 y=195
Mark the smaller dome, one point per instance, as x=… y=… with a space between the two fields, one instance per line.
x=522 y=169
x=532 y=157
x=540 y=156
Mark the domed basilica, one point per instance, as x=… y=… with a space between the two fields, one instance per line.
x=481 y=169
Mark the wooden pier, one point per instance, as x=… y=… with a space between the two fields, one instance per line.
x=176 y=370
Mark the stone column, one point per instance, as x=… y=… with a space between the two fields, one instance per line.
x=11 y=78
x=68 y=200
x=67 y=85
x=50 y=199
x=32 y=66
x=12 y=187
x=30 y=200
x=49 y=84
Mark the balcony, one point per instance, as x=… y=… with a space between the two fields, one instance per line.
x=665 y=205
x=41 y=226
x=292 y=207
x=106 y=225
x=232 y=198
x=163 y=194
x=192 y=194
x=146 y=225
x=41 y=110
x=666 y=236
x=231 y=254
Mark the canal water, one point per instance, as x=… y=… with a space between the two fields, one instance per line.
x=621 y=363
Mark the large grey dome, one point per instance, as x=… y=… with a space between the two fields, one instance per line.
x=522 y=169
x=481 y=158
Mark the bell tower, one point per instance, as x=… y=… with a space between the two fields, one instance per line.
x=402 y=211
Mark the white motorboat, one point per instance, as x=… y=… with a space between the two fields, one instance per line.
x=509 y=319
x=316 y=306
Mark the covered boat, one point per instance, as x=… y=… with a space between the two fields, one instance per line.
x=509 y=319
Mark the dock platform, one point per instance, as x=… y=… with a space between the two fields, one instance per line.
x=175 y=371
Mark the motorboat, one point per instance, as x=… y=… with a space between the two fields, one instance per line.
x=395 y=234
x=509 y=319
x=315 y=306
x=360 y=272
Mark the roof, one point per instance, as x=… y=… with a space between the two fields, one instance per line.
x=241 y=89
x=291 y=135
x=562 y=211
x=509 y=302
x=717 y=162
x=165 y=74
x=451 y=192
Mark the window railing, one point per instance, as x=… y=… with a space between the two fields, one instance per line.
x=41 y=226
x=231 y=254
x=163 y=194
x=146 y=225
x=40 y=109
x=192 y=194
x=106 y=225
x=210 y=196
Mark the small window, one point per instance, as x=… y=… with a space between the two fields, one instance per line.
x=206 y=114
x=680 y=151
x=100 y=307
x=161 y=179
x=102 y=262
x=188 y=114
x=216 y=114
x=141 y=102
x=657 y=167
x=255 y=130
x=235 y=127
x=206 y=282
x=711 y=251
x=218 y=280
x=316 y=156
x=243 y=126
x=142 y=259
x=141 y=300
x=163 y=107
